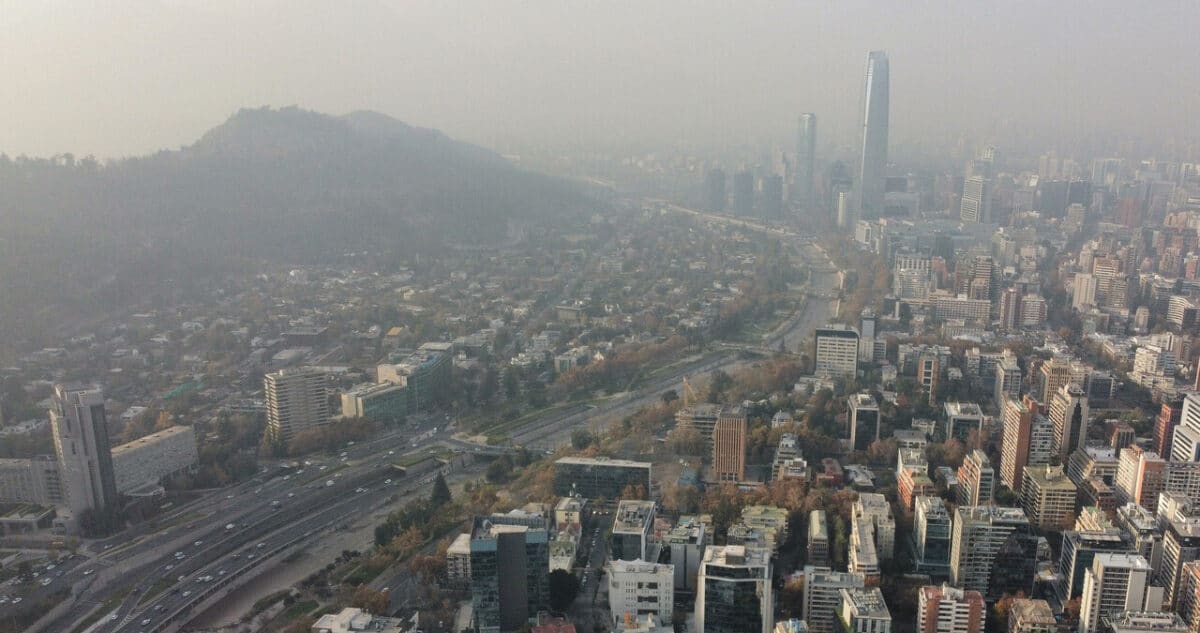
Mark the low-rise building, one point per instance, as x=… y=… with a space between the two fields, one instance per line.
x=149 y=459
x=638 y=588
x=864 y=611
x=632 y=525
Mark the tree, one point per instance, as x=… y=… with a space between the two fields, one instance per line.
x=441 y=492
x=581 y=439
x=25 y=571
x=511 y=383
x=669 y=396
x=371 y=601
x=499 y=470
x=564 y=587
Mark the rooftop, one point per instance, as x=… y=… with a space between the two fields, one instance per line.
x=963 y=409
x=152 y=438
x=633 y=516
x=866 y=603
x=992 y=514
x=737 y=556
x=862 y=401
x=1145 y=621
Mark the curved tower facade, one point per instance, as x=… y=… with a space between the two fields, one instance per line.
x=873 y=161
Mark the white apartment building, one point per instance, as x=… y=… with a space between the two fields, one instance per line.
x=147 y=460
x=637 y=588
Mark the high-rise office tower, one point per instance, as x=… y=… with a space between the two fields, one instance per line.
x=743 y=193
x=931 y=533
x=1164 y=425
x=772 y=197
x=835 y=351
x=1069 y=413
x=978 y=536
x=873 y=160
x=1116 y=583
x=1048 y=497
x=80 y=431
x=734 y=591
x=729 y=446
x=863 y=414
x=823 y=596
x=1008 y=378
x=508 y=574
x=866 y=341
x=806 y=150
x=296 y=401
x=1181 y=544
x=1141 y=476
x=976 y=206
x=840 y=181
x=946 y=609
x=1079 y=549
x=1017 y=418
x=976 y=480
x=1185 y=441
x=714 y=190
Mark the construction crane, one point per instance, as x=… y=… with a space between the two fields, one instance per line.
x=688 y=393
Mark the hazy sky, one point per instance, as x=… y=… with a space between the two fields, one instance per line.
x=116 y=78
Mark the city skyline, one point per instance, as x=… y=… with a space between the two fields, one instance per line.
x=967 y=72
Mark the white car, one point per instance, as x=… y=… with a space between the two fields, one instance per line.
x=197 y=543
x=88 y=572
x=146 y=622
x=17 y=600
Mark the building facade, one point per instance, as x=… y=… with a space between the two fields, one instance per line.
x=297 y=400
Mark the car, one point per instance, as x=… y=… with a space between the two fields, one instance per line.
x=360 y=490
x=249 y=556
x=181 y=578
x=112 y=617
x=88 y=572
x=158 y=607
x=287 y=477
x=328 y=483
x=391 y=452
x=387 y=481
x=300 y=472
x=186 y=594
x=50 y=566
x=221 y=573
x=258 y=491
x=46 y=582
x=169 y=567
x=17 y=600
x=291 y=494
x=229 y=526
x=261 y=545
x=323 y=467
x=228 y=496
x=197 y=543
x=146 y=622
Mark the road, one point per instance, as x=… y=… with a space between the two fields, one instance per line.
x=278 y=509
x=156 y=575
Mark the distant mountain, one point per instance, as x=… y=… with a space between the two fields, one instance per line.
x=285 y=185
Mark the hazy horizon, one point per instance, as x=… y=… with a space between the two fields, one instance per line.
x=140 y=77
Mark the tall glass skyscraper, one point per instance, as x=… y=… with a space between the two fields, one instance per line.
x=873 y=162
x=806 y=148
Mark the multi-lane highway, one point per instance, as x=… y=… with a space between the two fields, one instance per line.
x=159 y=576
x=152 y=579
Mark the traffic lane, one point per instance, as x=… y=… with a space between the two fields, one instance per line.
x=360 y=502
